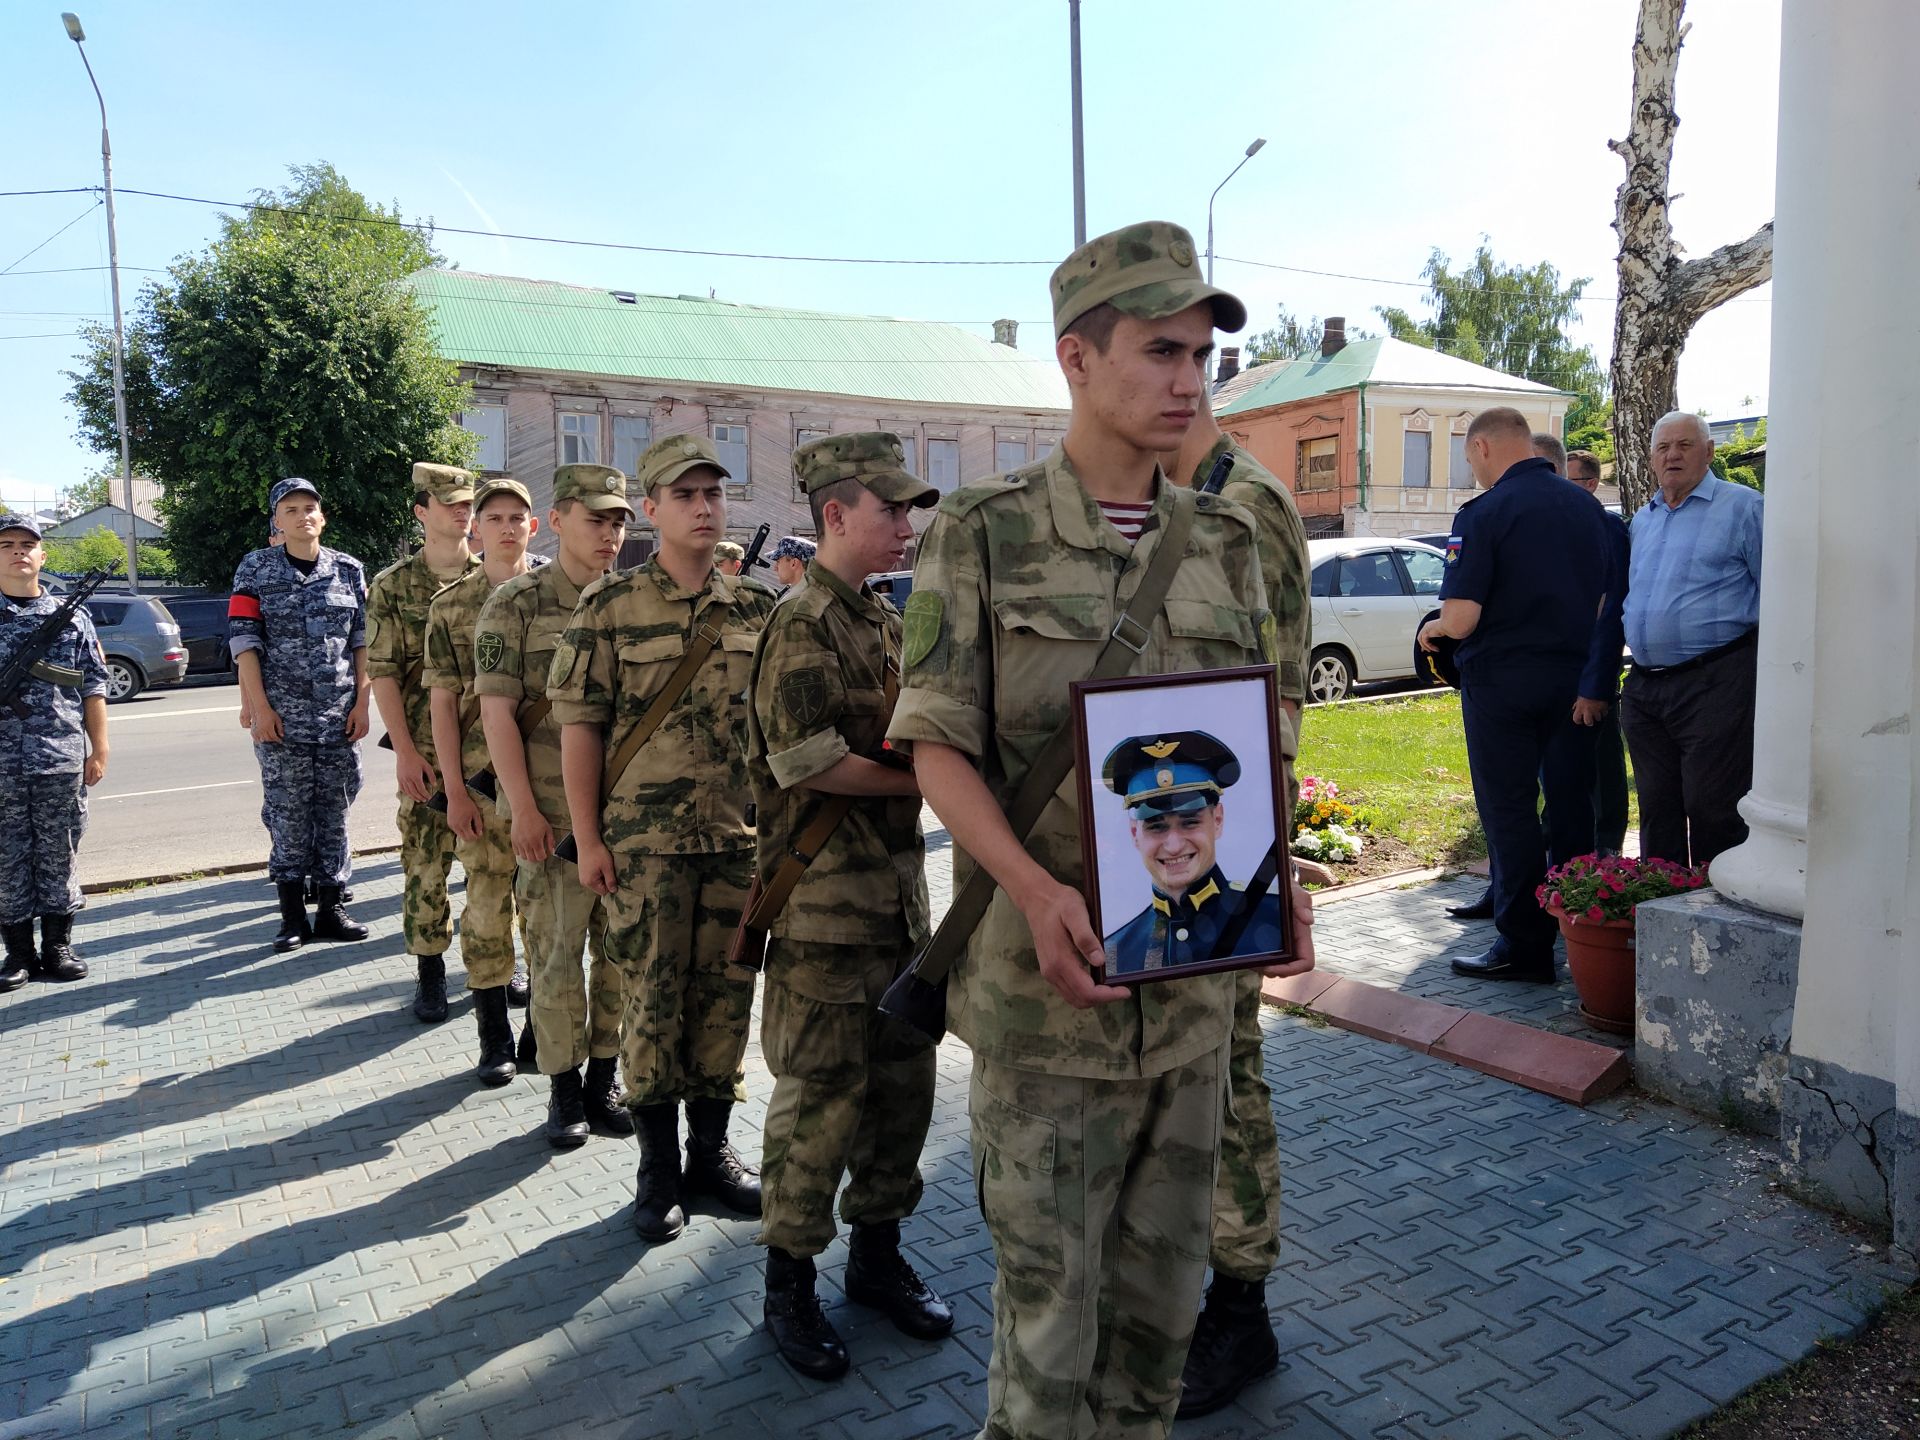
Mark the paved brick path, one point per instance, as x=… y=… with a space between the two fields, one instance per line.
x=243 y=1195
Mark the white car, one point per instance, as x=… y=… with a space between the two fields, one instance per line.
x=1368 y=599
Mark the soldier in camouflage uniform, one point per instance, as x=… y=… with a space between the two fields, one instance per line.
x=843 y=1103
x=396 y=659
x=503 y=520
x=1233 y=1342
x=671 y=849
x=297 y=627
x=1095 y=1109
x=52 y=748
x=575 y=1017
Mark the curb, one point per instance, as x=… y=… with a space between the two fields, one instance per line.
x=244 y=867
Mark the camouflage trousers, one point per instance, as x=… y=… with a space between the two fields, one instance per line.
x=575 y=1011
x=309 y=789
x=1096 y=1195
x=683 y=1035
x=426 y=855
x=41 y=820
x=1246 y=1196
x=843 y=1103
x=486 y=917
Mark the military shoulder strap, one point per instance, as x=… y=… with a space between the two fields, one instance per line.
x=705 y=637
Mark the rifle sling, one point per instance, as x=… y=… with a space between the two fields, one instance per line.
x=1055 y=762
x=705 y=637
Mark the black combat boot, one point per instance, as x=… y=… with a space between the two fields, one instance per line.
x=806 y=1339
x=19 y=964
x=656 y=1193
x=519 y=987
x=346 y=893
x=430 y=989
x=1233 y=1345
x=604 y=1111
x=57 y=961
x=294 y=930
x=714 y=1167
x=496 y=1065
x=879 y=1276
x=566 y=1125
x=330 y=920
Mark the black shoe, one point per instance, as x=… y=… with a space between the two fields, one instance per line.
x=714 y=1167
x=879 y=1276
x=1499 y=964
x=1481 y=909
x=806 y=1340
x=18 y=967
x=330 y=919
x=527 y=1057
x=656 y=1193
x=430 y=990
x=1233 y=1345
x=294 y=930
x=566 y=1125
x=496 y=1037
x=519 y=987
x=56 y=961
x=601 y=1090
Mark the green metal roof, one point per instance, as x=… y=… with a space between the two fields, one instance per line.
x=540 y=325
x=1380 y=361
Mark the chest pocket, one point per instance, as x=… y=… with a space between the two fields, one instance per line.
x=1041 y=644
x=1211 y=623
x=644 y=668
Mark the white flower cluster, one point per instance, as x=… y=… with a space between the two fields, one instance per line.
x=1336 y=843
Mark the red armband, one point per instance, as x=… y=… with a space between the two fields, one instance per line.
x=243 y=607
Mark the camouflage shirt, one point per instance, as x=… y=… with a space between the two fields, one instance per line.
x=450 y=663
x=397 y=636
x=49 y=739
x=305 y=628
x=819 y=693
x=1282 y=539
x=1018 y=584
x=514 y=639
x=686 y=791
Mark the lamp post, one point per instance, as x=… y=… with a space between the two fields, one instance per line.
x=1079 y=144
x=1252 y=150
x=78 y=36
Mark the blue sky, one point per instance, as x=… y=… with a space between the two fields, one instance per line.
x=902 y=129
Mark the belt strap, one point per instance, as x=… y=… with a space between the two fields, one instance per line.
x=1706 y=657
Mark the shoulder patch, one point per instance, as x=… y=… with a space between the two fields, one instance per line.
x=922 y=621
x=804 y=693
x=489 y=648
x=561 y=670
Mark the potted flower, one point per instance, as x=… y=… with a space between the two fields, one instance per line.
x=1593 y=897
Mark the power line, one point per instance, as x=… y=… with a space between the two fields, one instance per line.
x=56 y=235
x=79 y=269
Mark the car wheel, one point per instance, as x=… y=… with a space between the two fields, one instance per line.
x=124 y=680
x=1329 y=676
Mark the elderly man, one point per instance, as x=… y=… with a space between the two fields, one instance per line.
x=1692 y=623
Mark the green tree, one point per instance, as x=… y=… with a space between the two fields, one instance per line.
x=1590 y=427
x=1734 y=460
x=1513 y=318
x=1291 y=338
x=288 y=347
x=91 y=493
x=101 y=549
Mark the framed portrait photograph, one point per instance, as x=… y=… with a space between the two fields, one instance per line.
x=1182 y=822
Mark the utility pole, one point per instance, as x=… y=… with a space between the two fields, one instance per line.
x=1079 y=139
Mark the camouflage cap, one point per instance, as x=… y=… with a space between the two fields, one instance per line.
x=876 y=458
x=1147 y=271
x=729 y=550
x=292 y=485
x=14 y=520
x=448 y=484
x=598 y=487
x=501 y=485
x=666 y=460
x=792 y=547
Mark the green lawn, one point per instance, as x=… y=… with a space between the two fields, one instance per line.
x=1404 y=761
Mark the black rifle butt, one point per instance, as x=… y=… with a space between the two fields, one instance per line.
x=567 y=850
x=437 y=802
x=912 y=1004
x=484 y=785
x=385 y=742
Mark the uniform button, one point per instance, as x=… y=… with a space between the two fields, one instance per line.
x=1180 y=934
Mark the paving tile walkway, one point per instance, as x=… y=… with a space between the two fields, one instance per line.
x=245 y=1195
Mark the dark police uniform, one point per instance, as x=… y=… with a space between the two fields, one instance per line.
x=1537 y=554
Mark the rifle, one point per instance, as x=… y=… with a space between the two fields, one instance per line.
x=408 y=682
x=753 y=549
x=30 y=661
x=1217 y=476
x=482 y=782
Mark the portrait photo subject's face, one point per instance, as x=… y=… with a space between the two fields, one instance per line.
x=1178 y=849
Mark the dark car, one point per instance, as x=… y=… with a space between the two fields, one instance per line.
x=896 y=585
x=141 y=641
x=203 y=630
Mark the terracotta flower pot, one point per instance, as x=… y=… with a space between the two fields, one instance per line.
x=1600 y=957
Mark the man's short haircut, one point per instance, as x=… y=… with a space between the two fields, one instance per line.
x=1548 y=447
x=1588 y=462
x=845 y=491
x=422 y=500
x=1676 y=417
x=1095 y=327
x=1501 y=420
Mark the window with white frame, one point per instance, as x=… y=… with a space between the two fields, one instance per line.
x=631 y=436
x=579 y=437
x=1043 y=445
x=488 y=420
x=1459 y=472
x=1416 y=460
x=1318 y=464
x=1009 y=452
x=730 y=444
x=805 y=435
x=943 y=463
x=909 y=446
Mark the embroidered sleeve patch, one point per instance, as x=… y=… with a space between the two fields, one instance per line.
x=561 y=670
x=804 y=693
x=489 y=648
x=922 y=621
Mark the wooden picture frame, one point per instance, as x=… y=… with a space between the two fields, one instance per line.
x=1170 y=876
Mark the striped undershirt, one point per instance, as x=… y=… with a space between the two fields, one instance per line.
x=1127 y=519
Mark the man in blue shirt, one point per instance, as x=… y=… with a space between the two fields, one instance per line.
x=1692 y=617
x=1530 y=566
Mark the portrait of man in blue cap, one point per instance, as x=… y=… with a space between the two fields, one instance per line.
x=1172 y=785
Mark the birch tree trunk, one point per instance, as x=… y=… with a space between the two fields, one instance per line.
x=1661 y=296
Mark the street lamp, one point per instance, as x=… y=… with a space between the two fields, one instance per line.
x=1252 y=150
x=78 y=36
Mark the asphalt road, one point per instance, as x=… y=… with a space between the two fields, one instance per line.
x=182 y=791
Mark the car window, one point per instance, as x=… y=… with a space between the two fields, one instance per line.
x=1323 y=577
x=1370 y=575
x=1424 y=569
x=106 y=614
